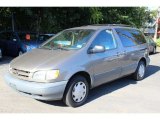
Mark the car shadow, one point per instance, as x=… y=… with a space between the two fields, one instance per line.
x=59 y=103
x=109 y=87
x=151 y=69
x=154 y=53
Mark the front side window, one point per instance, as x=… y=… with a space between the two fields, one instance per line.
x=105 y=38
x=130 y=37
x=69 y=39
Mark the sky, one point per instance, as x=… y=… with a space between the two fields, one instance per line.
x=153 y=7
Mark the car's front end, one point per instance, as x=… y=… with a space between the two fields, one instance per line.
x=37 y=90
x=36 y=74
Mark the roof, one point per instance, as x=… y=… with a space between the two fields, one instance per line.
x=101 y=26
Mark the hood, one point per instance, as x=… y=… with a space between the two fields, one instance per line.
x=40 y=59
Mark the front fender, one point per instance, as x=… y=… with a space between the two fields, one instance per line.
x=73 y=71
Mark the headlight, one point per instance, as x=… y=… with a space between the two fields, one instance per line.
x=46 y=75
x=52 y=74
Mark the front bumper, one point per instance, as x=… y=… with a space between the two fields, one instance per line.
x=41 y=91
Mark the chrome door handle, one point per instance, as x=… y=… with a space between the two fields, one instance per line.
x=124 y=52
x=120 y=54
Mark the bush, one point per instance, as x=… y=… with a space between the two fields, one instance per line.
x=158 y=42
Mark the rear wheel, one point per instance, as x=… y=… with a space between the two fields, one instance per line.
x=154 y=50
x=76 y=92
x=140 y=71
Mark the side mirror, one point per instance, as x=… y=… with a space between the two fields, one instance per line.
x=14 y=39
x=96 y=49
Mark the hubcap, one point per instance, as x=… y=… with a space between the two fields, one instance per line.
x=154 y=50
x=141 y=70
x=79 y=91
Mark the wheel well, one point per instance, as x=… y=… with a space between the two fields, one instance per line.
x=144 y=60
x=85 y=74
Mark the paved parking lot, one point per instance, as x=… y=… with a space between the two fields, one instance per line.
x=122 y=95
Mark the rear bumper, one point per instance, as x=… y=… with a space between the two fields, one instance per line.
x=41 y=91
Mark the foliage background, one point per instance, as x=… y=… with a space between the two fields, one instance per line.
x=54 y=19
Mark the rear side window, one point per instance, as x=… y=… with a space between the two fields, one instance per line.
x=105 y=38
x=130 y=37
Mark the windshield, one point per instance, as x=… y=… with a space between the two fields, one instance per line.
x=69 y=39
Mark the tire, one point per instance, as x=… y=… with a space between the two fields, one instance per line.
x=20 y=53
x=140 y=71
x=77 y=85
x=154 y=50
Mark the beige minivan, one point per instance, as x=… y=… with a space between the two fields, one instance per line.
x=76 y=60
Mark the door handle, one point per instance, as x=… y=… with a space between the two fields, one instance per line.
x=119 y=54
x=122 y=53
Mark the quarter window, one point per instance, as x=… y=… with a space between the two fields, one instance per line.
x=130 y=37
x=105 y=38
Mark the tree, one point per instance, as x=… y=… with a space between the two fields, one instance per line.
x=52 y=20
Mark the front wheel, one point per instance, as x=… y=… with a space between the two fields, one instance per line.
x=140 y=71
x=76 y=92
x=20 y=53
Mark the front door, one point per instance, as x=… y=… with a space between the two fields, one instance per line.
x=105 y=65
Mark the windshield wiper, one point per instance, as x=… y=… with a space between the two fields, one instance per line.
x=45 y=48
x=61 y=48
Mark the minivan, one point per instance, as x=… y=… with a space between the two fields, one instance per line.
x=75 y=60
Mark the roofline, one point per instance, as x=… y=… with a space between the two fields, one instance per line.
x=120 y=25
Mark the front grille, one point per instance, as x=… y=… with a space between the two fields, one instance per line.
x=22 y=74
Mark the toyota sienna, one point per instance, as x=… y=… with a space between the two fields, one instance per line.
x=72 y=62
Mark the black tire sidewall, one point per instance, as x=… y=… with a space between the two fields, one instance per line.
x=68 y=94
